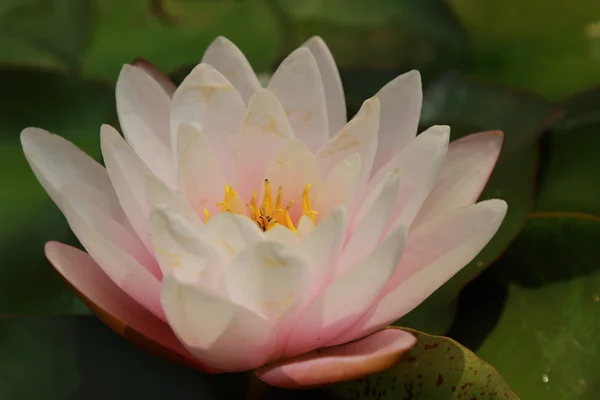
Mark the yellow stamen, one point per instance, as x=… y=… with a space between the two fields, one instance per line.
x=267 y=203
x=306 y=207
x=206 y=215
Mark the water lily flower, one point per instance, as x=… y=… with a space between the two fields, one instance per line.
x=237 y=227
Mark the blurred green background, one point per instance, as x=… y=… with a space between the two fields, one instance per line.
x=528 y=67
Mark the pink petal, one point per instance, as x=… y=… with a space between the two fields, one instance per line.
x=340 y=187
x=298 y=85
x=467 y=168
x=143 y=107
x=220 y=333
x=435 y=252
x=350 y=361
x=162 y=79
x=115 y=308
x=227 y=58
x=401 y=101
x=334 y=91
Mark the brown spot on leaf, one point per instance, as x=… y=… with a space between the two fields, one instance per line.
x=440 y=380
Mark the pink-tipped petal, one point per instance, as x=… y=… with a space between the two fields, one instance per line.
x=375 y=353
x=468 y=166
x=334 y=91
x=115 y=308
x=163 y=80
x=401 y=101
x=143 y=107
x=298 y=85
x=227 y=58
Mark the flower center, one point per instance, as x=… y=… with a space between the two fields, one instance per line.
x=269 y=213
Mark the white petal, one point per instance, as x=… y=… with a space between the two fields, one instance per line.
x=56 y=162
x=134 y=279
x=294 y=167
x=209 y=102
x=321 y=248
x=266 y=129
x=347 y=298
x=283 y=235
x=128 y=175
x=340 y=186
x=144 y=107
x=227 y=58
x=334 y=91
x=418 y=166
x=305 y=227
x=270 y=279
x=298 y=85
x=401 y=101
x=467 y=168
x=158 y=195
x=182 y=250
x=162 y=79
x=435 y=252
x=226 y=336
x=201 y=179
x=230 y=233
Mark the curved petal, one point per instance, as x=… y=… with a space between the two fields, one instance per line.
x=401 y=101
x=223 y=335
x=158 y=195
x=115 y=308
x=435 y=252
x=128 y=175
x=163 y=80
x=227 y=58
x=340 y=187
x=210 y=103
x=347 y=298
x=144 y=107
x=201 y=178
x=334 y=91
x=183 y=251
x=355 y=360
x=298 y=85
x=467 y=168
x=133 y=278
x=56 y=162
x=230 y=233
x=266 y=129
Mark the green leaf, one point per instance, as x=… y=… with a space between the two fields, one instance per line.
x=75 y=109
x=172 y=33
x=57 y=358
x=436 y=368
x=535 y=44
x=545 y=341
x=569 y=181
x=469 y=107
x=43 y=32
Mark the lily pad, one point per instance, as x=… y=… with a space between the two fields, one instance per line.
x=569 y=181
x=534 y=44
x=436 y=368
x=73 y=108
x=545 y=342
x=41 y=32
x=469 y=107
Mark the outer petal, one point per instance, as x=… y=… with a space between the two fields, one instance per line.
x=298 y=85
x=434 y=253
x=350 y=361
x=467 y=168
x=401 y=101
x=113 y=306
x=334 y=91
x=209 y=102
x=224 y=335
x=227 y=58
x=345 y=300
x=183 y=251
x=418 y=166
x=163 y=80
x=143 y=107
x=201 y=178
x=56 y=162
x=121 y=268
x=128 y=175
x=266 y=129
